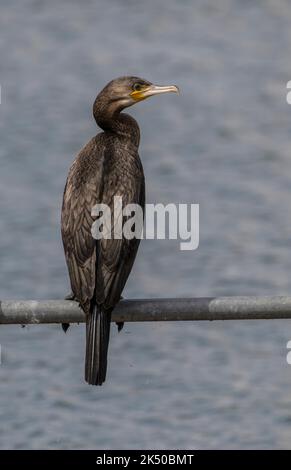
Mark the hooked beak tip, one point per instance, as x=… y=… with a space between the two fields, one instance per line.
x=176 y=89
x=156 y=89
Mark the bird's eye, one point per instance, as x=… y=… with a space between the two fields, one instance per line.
x=137 y=87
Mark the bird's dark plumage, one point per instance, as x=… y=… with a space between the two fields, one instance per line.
x=108 y=166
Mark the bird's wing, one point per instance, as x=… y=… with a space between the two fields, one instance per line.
x=99 y=267
x=116 y=256
x=83 y=190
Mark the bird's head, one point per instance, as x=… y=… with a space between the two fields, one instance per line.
x=127 y=91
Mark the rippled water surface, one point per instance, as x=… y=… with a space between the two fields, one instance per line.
x=225 y=144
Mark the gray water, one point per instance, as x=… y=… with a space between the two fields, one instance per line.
x=223 y=144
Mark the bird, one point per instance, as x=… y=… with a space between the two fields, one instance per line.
x=108 y=165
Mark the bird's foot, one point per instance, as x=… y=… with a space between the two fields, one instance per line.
x=65 y=326
x=120 y=324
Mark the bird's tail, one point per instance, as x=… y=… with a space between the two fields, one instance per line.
x=97 y=339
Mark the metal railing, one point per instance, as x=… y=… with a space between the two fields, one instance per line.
x=193 y=309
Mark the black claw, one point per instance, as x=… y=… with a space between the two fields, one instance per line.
x=65 y=327
x=120 y=325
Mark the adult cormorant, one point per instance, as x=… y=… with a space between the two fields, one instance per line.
x=107 y=166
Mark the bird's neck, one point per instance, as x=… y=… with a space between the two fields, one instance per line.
x=121 y=124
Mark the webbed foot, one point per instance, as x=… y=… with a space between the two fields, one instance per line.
x=65 y=326
x=120 y=324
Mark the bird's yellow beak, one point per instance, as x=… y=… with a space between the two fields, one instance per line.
x=151 y=90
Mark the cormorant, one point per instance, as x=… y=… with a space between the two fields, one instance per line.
x=107 y=166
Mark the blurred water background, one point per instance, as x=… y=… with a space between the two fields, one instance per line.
x=224 y=144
